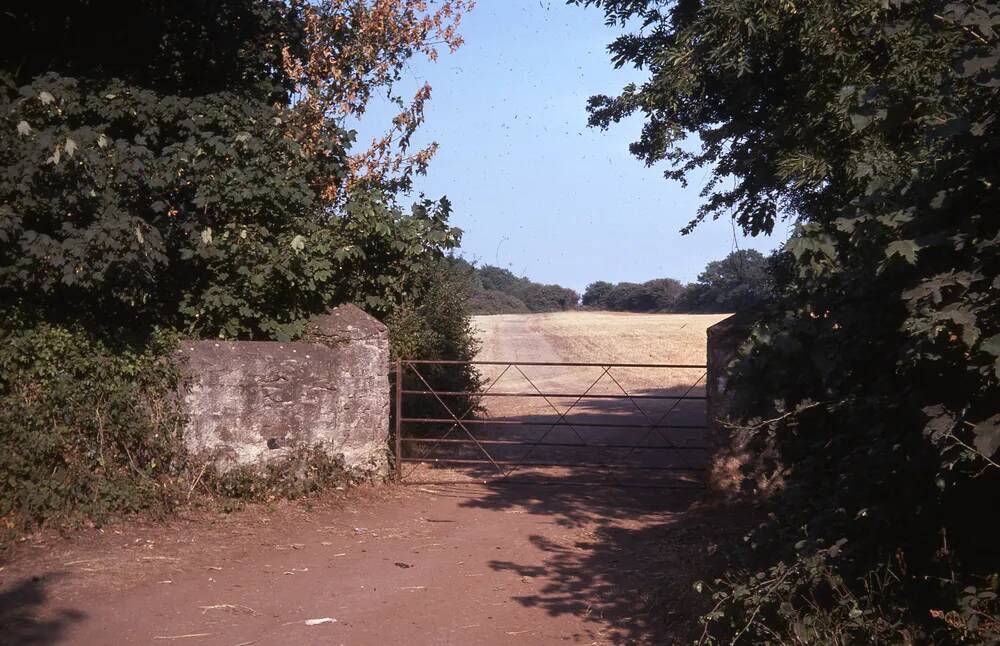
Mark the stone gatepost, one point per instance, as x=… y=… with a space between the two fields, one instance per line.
x=251 y=402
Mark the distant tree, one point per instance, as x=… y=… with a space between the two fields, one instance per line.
x=521 y=294
x=491 y=301
x=498 y=278
x=663 y=293
x=549 y=298
x=738 y=281
x=596 y=294
x=656 y=295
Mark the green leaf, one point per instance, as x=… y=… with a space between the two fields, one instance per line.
x=991 y=345
x=987 y=434
x=906 y=249
x=860 y=121
x=298 y=243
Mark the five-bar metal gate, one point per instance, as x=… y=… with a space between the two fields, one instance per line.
x=651 y=437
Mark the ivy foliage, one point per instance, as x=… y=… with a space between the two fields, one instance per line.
x=435 y=323
x=871 y=385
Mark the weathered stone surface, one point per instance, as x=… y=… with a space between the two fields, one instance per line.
x=732 y=462
x=344 y=324
x=251 y=402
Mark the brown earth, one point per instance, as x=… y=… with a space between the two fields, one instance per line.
x=443 y=564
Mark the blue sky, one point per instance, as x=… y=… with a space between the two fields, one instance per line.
x=535 y=189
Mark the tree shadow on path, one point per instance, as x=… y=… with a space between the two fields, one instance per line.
x=631 y=572
x=24 y=620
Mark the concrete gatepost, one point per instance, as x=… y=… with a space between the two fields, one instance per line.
x=728 y=447
x=251 y=402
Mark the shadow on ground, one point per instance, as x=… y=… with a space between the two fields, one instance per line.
x=635 y=569
x=21 y=620
x=644 y=536
x=657 y=441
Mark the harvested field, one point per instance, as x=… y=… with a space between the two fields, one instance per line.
x=596 y=336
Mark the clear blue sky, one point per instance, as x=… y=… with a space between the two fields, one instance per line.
x=535 y=189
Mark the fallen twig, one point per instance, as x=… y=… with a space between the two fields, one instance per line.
x=188 y=636
x=228 y=606
x=196 y=481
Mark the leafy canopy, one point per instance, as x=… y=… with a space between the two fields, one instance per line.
x=178 y=187
x=739 y=281
x=870 y=387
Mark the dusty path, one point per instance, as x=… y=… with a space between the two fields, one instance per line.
x=427 y=565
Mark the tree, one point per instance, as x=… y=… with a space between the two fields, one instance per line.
x=498 y=279
x=657 y=295
x=875 y=127
x=341 y=53
x=739 y=281
x=664 y=293
x=191 y=186
x=596 y=294
x=160 y=190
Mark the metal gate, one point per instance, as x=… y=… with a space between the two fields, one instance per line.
x=624 y=424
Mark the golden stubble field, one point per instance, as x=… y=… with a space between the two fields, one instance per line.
x=593 y=337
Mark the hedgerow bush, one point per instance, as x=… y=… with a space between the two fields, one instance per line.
x=519 y=292
x=88 y=427
x=435 y=324
x=496 y=302
x=870 y=384
x=657 y=295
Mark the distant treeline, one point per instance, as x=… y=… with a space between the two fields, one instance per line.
x=740 y=280
x=737 y=282
x=498 y=291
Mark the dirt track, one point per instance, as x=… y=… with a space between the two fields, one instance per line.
x=417 y=565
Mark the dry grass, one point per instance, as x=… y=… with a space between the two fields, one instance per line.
x=598 y=337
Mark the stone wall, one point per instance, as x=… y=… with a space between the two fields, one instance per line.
x=250 y=402
x=729 y=445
